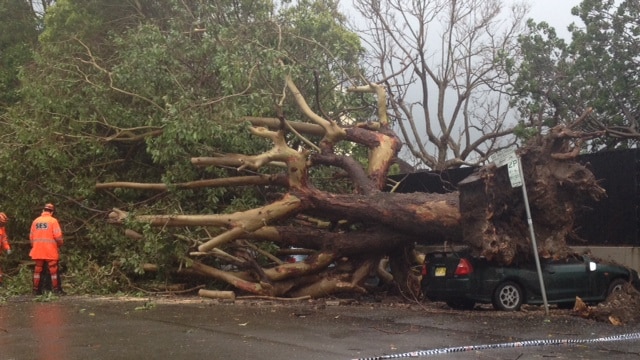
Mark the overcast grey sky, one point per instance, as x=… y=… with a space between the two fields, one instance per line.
x=555 y=12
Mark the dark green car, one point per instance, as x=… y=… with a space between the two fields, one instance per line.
x=461 y=281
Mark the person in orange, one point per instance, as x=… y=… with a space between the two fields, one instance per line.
x=4 y=239
x=46 y=238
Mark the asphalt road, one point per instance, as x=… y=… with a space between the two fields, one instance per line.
x=177 y=328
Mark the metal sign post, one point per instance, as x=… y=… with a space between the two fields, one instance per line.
x=514 y=166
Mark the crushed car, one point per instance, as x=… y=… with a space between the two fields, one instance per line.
x=462 y=281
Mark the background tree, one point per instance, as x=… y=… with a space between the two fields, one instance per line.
x=440 y=63
x=598 y=69
x=18 y=38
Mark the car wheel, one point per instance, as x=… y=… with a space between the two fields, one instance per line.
x=461 y=304
x=508 y=296
x=616 y=285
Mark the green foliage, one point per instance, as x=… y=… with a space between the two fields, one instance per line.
x=316 y=38
x=18 y=38
x=132 y=91
x=330 y=180
x=394 y=170
x=542 y=75
x=17 y=283
x=525 y=132
x=557 y=82
x=94 y=278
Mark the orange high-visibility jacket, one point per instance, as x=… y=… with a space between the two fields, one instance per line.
x=46 y=237
x=4 y=240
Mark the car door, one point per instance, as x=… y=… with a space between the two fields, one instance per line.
x=566 y=278
x=600 y=278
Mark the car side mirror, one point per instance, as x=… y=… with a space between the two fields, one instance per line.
x=592 y=266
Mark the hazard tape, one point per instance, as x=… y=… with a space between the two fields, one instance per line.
x=515 y=344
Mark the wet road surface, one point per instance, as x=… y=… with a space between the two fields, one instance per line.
x=177 y=328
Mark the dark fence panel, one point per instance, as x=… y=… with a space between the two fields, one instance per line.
x=613 y=220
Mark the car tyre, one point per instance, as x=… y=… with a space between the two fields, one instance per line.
x=461 y=304
x=616 y=285
x=508 y=296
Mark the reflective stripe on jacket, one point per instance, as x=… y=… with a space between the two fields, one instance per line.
x=4 y=240
x=45 y=237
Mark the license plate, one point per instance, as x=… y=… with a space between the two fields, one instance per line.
x=441 y=271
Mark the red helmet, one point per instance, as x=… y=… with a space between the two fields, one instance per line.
x=3 y=218
x=49 y=207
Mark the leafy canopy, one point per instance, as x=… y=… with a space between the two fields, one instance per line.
x=132 y=90
x=598 y=69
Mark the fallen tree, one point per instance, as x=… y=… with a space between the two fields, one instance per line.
x=348 y=234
